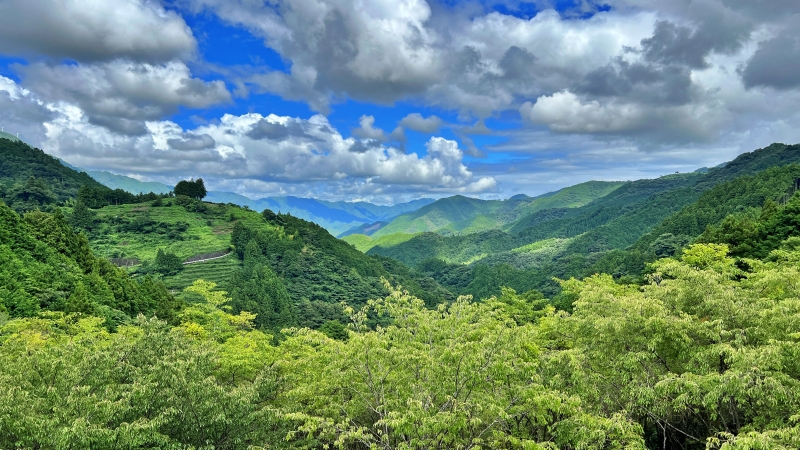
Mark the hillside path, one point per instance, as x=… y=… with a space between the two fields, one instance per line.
x=207 y=259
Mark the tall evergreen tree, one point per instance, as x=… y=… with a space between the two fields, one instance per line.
x=257 y=288
x=82 y=217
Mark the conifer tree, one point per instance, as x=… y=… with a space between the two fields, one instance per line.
x=79 y=301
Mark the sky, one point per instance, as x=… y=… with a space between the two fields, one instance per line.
x=389 y=101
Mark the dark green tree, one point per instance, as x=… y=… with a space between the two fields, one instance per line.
x=30 y=195
x=79 y=301
x=82 y=217
x=192 y=189
x=200 y=189
x=335 y=330
x=258 y=289
x=167 y=263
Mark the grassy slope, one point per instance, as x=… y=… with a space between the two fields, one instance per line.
x=199 y=238
x=219 y=271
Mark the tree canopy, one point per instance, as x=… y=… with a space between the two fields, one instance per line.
x=192 y=188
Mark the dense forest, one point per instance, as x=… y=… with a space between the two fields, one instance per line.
x=651 y=314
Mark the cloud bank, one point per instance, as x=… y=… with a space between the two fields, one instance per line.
x=496 y=101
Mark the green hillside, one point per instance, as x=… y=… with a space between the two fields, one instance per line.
x=29 y=178
x=464 y=215
x=538 y=225
x=442 y=214
x=741 y=196
x=9 y=136
x=315 y=270
x=46 y=266
x=571 y=197
x=140 y=230
x=337 y=217
x=592 y=238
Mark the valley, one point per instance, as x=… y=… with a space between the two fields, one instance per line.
x=261 y=293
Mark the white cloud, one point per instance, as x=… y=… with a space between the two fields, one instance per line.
x=416 y=122
x=367 y=129
x=255 y=152
x=564 y=112
x=92 y=30
x=384 y=51
x=21 y=112
x=121 y=95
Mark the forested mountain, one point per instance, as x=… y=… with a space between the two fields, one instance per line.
x=566 y=242
x=30 y=178
x=462 y=215
x=562 y=223
x=704 y=355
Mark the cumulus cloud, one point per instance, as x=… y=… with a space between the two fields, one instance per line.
x=367 y=129
x=122 y=95
x=564 y=112
x=416 y=122
x=256 y=152
x=639 y=61
x=94 y=30
x=776 y=63
x=386 y=51
x=192 y=142
x=20 y=112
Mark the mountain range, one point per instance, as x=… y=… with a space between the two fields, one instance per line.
x=473 y=246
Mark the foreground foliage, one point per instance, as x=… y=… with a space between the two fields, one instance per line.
x=707 y=355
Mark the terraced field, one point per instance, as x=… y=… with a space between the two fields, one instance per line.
x=219 y=271
x=139 y=231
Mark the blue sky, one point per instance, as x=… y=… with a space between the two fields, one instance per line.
x=391 y=100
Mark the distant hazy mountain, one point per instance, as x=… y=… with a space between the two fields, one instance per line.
x=336 y=217
x=461 y=215
x=129 y=184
